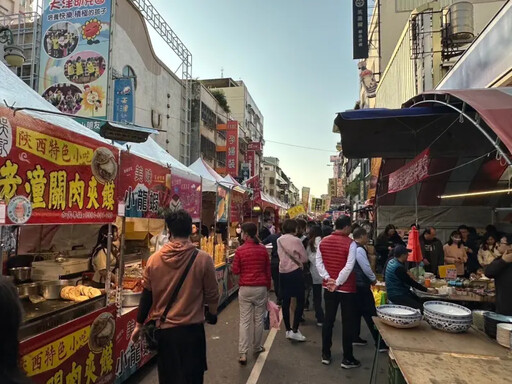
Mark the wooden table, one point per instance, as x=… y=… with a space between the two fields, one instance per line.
x=426 y=355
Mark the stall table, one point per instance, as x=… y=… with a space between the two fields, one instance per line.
x=427 y=355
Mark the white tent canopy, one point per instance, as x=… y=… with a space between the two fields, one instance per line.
x=15 y=92
x=211 y=179
x=229 y=182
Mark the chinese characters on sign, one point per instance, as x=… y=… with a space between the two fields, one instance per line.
x=145 y=186
x=75 y=56
x=411 y=173
x=360 y=28
x=123 y=100
x=54 y=173
x=232 y=148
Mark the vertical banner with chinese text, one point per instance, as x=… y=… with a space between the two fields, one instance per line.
x=360 y=29
x=74 y=59
x=81 y=351
x=305 y=198
x=232 y=148
x=51 y=175
x=236 y=208
x=124 y=108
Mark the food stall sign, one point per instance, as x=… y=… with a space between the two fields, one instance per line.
x=298 y=210
x=451 y=273
x=81 y=351
x=232 y=147
x=51 y=175
x=411 y=173
x=145 y=186
x=222 y=205
x=186 y=194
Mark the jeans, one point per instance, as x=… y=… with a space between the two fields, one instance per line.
x=292 y=285
x=317 y=302
x=365 y=309
x=347 y=301
x=182 y=355
x=253 y=305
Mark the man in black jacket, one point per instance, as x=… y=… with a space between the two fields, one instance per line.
x=432 y=250
x=274 y=263
x=501 y=271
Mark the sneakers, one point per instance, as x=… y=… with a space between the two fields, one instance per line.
x=297 y=336
x=359 y=341
x=242 y=360
x=383 y=348
x=326 y=360
x=259 y=350
x=349 y=364
x=288 y=334
x=320 y=324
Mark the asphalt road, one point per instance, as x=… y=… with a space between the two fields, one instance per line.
x=286 y=362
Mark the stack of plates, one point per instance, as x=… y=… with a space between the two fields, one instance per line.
x=478 y=319
x=447 y=317
x=503 y=331
x=491 y=320
x=399 y=316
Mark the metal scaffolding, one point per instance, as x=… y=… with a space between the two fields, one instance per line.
x=155 y=20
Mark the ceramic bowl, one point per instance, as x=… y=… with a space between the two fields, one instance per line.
x=400 y=323
x=468 y=319
x=447 y=325
x=491 y=321
x=398 y=311
x=439 y=320
x=447 y=310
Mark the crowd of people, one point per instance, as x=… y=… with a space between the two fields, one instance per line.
x=60 y=42
x=181 y=293
x=67 y=98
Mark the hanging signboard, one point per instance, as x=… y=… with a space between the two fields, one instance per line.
x=411 y=173
x=74 y=56
x=80 y=351
x=186 y=194
x=222 y=205
x=250 y=157
x=360 y=28
x=305 y=198
x=144 y=186
x=124 y=111
x=49 y=175
x=232 y=148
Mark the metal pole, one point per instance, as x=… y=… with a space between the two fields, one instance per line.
x=109 y=253
x=121 y=262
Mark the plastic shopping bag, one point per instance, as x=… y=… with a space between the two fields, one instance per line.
x=274 y=314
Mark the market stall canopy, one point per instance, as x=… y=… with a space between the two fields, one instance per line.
x=210 y=178
x=229 y=182
x=476 y=118
x=15 y=92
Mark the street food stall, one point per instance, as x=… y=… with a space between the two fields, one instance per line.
x=446 y=161
x=58 y=185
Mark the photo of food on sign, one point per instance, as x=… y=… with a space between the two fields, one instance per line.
x=104 y=166
x=102 y=332
x=60 y=40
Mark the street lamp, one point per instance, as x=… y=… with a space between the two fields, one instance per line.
x=13 y=54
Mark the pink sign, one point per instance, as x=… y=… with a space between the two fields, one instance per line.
x=411 y=173
x=186 y=194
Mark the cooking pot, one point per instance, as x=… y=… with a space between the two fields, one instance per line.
x=50 y=290
x=25 y=290
x=21 y=274
x=130 y=298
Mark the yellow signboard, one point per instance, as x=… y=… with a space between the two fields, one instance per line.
x=298 y=210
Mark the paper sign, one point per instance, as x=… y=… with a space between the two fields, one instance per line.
x=2 y=212
x=451 y=273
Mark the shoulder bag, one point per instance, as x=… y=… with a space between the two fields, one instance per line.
x=150 y=329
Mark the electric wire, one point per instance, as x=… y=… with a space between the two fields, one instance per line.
x=299 y=146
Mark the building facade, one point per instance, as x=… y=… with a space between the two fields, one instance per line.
x=277 y=184
x=244 y=110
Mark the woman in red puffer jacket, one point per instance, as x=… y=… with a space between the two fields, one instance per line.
x=252 y=263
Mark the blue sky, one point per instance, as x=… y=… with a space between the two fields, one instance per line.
x=295 y=56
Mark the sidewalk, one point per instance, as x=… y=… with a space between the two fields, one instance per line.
x=287 y=362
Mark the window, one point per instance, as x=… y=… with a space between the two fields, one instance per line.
x=129 y=72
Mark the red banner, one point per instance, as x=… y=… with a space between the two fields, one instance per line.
x=411 y=173
x=144 y=186
x=128 y=358
x=81 y=351
x=50 y=175
x=255 y=146
x=186 y=194
x=232 y=148
x=250 y=158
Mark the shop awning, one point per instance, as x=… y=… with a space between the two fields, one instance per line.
x=453 y=123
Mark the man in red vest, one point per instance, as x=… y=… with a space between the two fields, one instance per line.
x=335 y=260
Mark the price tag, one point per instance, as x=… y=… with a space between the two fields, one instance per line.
x=121 y=208
x=3 y=209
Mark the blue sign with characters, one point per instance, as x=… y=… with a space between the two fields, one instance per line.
x=124 y=109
